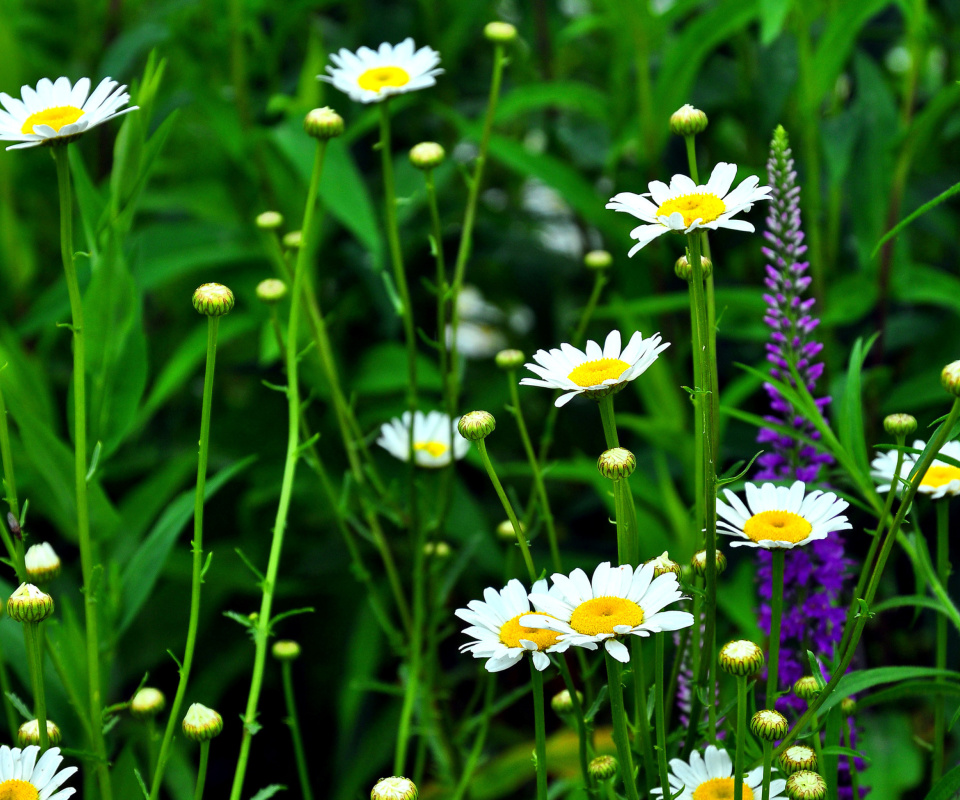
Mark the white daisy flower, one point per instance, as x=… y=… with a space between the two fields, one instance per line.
x=432 y=444
x=617 y=602
x=940 y=480
x=56 y=113
x=498 y=634
x=596 y=372
x=780 y=517
x=369 y=76
x=476 y=340
x=685 y=207
x=24 y=777
x=710 y=777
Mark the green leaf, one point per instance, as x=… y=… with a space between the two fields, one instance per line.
x=143 y=786
x=856 y=682
x=18 y=704
x=895 y=230
x=773 y=14
x=567 y=95
x=850 y=421
x=269 y=791
x=909 y=600
x=946 y=788
x=837 y=750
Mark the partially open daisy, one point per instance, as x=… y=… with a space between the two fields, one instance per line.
x=710 y=777
x=684 y=207
x=369 y=76
x=24 y=777
x=596 y=372
x=57 y=113
x=780 y=517
x=940 y=480
x=498 y=634
x=617 y=602
x=432 y=443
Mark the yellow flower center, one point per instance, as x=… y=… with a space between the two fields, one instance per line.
x=719 y=789
x=18 y=790
x=511 y=632
x=593 y=373
x=779 y=526
x=938 y=476
x=436 y=449
x=373 y=80
x=56 y=118
x=705 y=207
x=601 y=614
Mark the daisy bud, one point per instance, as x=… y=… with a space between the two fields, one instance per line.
x=769 y=725
x=201 y=724
x=950 y=378
x=506 y=533
x=741 y=657
x=662 y=564
x=213 y=300
x=684 y=271
x=807 y=688
x=29 y=733
x=323 y=124
x=562 y=702
x=271 y=290
x=616 y=463
x=899 y=424
x=427 y=155
x=147 y=703
x=598 y=259
x=43 y=564
x=293 y=240
x=500 y=32
x=699 y=562
x=29 y=604
x=510 y=359
x=476 y=425
x=688 y=121
x=848 y=706
x=806 y=785
x=394 y=788
x=269 y=220
x=286 y=650
x=797 y=758
x=603 y=768
x=437 y=550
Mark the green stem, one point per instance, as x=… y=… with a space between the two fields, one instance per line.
x=262 y=631
x=80 y=471
x=582 y=735
x=620 y=736
x=741 y=737
x=415 y=656
x=293 y=723
x=12 y=723
x=193 y=625
x=68 y=687
x=474 y=758
x=150 y=730
x=768 y=769
x=10 y=484
x=609 y=422
x=539 y=720
x=628 y=541
x=31 y=640
x=851 y=761
x=943 y=573
x=511 y=515
x=660 y=710
x=202 y=769
x=776 y=614
x=641 y=722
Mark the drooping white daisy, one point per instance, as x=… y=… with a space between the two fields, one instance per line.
x=56 y=113
x=940 y=480
x=684 y=207
x=432 y=443
x=369 y=76
x=596 y=372
x=780 y=517
x=498 y=634
x=710 y=777
x=617 y=602
x=24 y=777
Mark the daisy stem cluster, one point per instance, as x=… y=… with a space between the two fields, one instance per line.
x=641 y=724
x=293 y=723
x=660 y=709
x=88 y=568
x=621 y=737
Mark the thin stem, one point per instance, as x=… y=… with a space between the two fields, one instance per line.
x=768 y=769
x=262 y=631
x=193 y=625
x=741 y=737
x=851 y=761
x=10 y=484
x=150 y=731
x=776 y=614
x=67 y=685
x=628 y=542
x=582 y=735
x=286 y=668
x=609 y=422
x=641 y=721
x=12 y=724
x=474 y=757
x=511 y=515
x=660 y=710
x=539 y=721
x=84 y=541
x=620 y=736
x=31 y=639
x=202 y=769
x=940 y=662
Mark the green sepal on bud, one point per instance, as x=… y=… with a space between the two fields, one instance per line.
x=684 y=271
x=510 y=359
x=807 y=688
x=769 y=725
x=42 y=563
x=29 y=733
x=603 y=768
x=271 y=291
x=323 y=124
x=506 y=532
x=394 y=788
x=427 y=155
x=950 y=378
x=499 y=32
x=900 y=424
x=476 y=425
x=806 y=785
x=699 y=562
x=269 y=220
x=598 y=260
x=663 y=564
x=741 y=657
x=688 y=121
x=616 y=463
x=213 y=300
x=797 y=758
x=201 y=724
x=285 y=650
x=147 y=703
x=29 y=604
x=562 y=702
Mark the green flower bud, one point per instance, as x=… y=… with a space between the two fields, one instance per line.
x=741 y=657
x=510 y=359
x=201 y=724
x=476 y=425
x=796 y=758
x=147 y=703
x=323 y=124
x=562 y=702
x=506 y=533
x=285 y=650
x=688 y=121
x=269 y=220
x=438 y=550
x=663 y=564
x=616 y=463
x=427 y=155
x=500 y=32
x=43 y=564
x=769 y=725
x=806 y=785
x=29 y=604
x=950 y=378
x=603 y=768
x=684 y=271
x=213 y=300
x=848 y=706
x=271 y=290
x=598 y=259
x=293 y=240
x=699 y=562
x=807 y=688
x=29 y=733
x=394 y=788
x=899 y=424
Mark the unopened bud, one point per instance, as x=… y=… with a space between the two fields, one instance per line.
x=500 y=32
x=741 y=657
x=323 y=123
x=395 y=788
x=271 y=290
x=213 y=300
x=42 y=563
x=616 y=463
x=598 y=259
x=562 y=702
x=688 y=121
x=201 y=724
x=699 y=562
x=848 y=706
x=769 y=725
x=684 y=271
x=427 y=155
x=796 y=758
x=510 y=359
x=285 y=650
x=603 y=768
x=807 y=688
x=663 y=564
x=806 y=785
x=899 y=424
x=29 y=604
x=147 y=703
x=950 y=378
x=293 y=240
x=476 y=425
x=269 y=220
x=29 y=734
x=438 y=550
x=506 y=532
